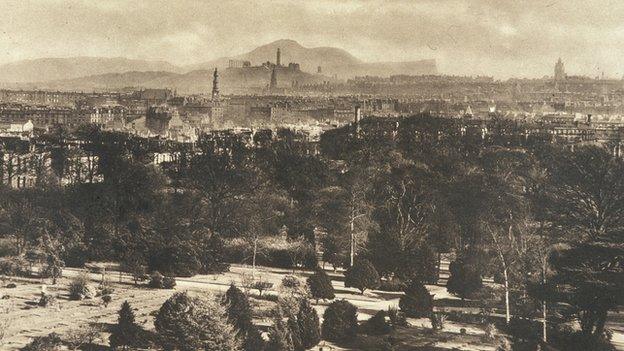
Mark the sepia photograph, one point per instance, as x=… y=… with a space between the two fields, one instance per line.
x=325 y=175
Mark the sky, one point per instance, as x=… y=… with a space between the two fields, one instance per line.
x=500 y=38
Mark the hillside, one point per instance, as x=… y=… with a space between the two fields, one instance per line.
x=49 y=69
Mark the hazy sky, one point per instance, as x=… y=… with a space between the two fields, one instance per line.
x=492 y=37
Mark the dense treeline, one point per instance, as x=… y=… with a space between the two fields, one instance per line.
x=544 y=220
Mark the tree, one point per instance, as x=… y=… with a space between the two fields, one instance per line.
x=124 y=335
x=417 y=302
x=54 y=263
x=320 y=285
x=308 y=323
x=239 y=314
x=362 y=276
x=587 y=202
x=464 y=279
x=238 y=310
x=191 y=323
x=339 y=321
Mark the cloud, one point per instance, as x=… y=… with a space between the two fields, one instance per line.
x=491 y=37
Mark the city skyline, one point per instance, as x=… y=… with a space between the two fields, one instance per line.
x=464 y=37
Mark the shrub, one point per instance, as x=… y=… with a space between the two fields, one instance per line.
x=106 y=299
x=362 y=276
x=437 y=320
x=158 y=281
x=80 y=289
x=262 y=286
x=50 y=342
x=47 y=300
x=339 y=321
x=417 y=302
x=188 y=323
x=237 y=306
x=76 y=339
x=168 y=283
x=14 y=266
x=272 y=252
x=397 y=318
x=309 y=325
x=392 y=285
x=464 y=280
x=320 y=285
x=126 y=332
x=11 y=286
x=377 y=324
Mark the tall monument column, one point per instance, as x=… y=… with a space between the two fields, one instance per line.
x=279 y=57
x=215 y=85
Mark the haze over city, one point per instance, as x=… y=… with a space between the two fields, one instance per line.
x=481 y=37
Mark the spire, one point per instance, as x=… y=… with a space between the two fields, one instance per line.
x=215 y=85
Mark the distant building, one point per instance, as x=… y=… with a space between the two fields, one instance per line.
x=559 y=71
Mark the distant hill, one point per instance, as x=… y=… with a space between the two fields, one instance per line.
x=48 y=69
x=86 y=73
x=333 y=61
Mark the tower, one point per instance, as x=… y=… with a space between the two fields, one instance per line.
x=278 y=62
x=215 y=85
x=273 y=83
x=559 y=71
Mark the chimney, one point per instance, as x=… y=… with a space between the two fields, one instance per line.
x=279 y=57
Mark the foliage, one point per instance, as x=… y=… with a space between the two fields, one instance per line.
x=262 y=286
x=80 y=288
x=339 y=321
x=377 y=324
x=50 y=342
x=464 y=279
x=126 y=333
x=47 y=300
x=240 y=314
x=437 y=320
x=77 y=338
x=362 y=275
x=417 y=302
x=397 y=318
x=320 y=285
x=308 y=324
x=190 y=323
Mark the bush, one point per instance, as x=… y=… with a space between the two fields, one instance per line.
x=106 y=299
x=393 y=285
x=437 y=320
x=14 y=266
x=80 y=289
x=339 y=322
x=320 y=285
x=47 y=300
x=126 y=332
x=397 y=318
x=262 y=286
x=50 y=342
x=464 y=280
x=191 y=323
x=417 y=302
x=362 y=276
x=158 y=281
x=168 y=283
x=377 y=324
